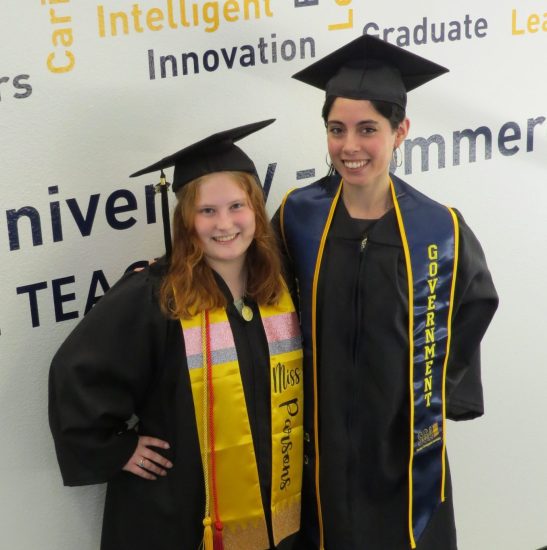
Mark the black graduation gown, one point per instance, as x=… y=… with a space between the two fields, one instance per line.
x=363 y=371
x=126 y=359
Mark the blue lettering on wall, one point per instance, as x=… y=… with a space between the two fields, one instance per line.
x=97 y=278
x=59 y=299
x=61 y=294
x=84 y=223
x=32 y=290
x=129 y=204
x=117 y=203
x=13 y=217
x=24 y=89
x=268 y=179
x=426 y=31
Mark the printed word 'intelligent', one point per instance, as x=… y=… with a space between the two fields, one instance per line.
x=179 y=14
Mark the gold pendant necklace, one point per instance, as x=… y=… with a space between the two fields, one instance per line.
x=244 y=310
x=246 y=313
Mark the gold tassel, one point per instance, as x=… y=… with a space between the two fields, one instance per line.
x=207 y=534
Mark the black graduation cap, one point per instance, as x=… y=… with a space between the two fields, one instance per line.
x=370 y=68
x=216 y=153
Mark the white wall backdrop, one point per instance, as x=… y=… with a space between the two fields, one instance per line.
x=83 y=103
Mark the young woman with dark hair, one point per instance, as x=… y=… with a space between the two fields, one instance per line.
x=395 y=297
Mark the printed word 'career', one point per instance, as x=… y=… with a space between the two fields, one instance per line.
x=61 y=59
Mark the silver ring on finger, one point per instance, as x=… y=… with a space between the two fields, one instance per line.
x=141 y=463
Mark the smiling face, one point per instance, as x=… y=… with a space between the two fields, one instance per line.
x=224 y=221
x=361 y=141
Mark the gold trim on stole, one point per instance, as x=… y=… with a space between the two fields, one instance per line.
x=410 y=280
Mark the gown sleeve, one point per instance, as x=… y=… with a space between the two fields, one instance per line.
x=476 y=301
x=286 y=261
x=99 y=379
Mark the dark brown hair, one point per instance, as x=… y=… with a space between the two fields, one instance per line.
x=394 y=114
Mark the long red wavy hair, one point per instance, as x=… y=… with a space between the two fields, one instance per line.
x=190 y=278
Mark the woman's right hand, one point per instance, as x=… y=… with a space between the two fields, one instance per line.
x=147 y=463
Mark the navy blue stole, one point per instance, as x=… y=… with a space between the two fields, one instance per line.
x=429 y=235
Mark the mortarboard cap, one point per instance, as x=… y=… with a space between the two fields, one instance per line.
x=370 y=68
x=216 y=153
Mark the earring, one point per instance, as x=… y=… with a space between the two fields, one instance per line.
x=332 y=169
x=398 y=162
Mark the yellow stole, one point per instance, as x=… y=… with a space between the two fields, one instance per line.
x=237 y=483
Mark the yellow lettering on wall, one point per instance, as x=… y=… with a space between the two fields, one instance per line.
x=170 y=15
x=100 y=17
x=514 y=29
x=119 y=15
x=431 y=302
x=69 y=64
x=231 y=7
x=427 y=397
x=246 y=8
x=63 y=36
x=183 y=19
x=154 y=18
x=346 y=25
x=430 y=335
x=62 y=60
x=136 y=13
x=430 y=319
x=428 y=365
x=428 y=384
x=210 y=16
x=173 y=14
x=54 y=19
x=267 y=10
x=533 y=23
